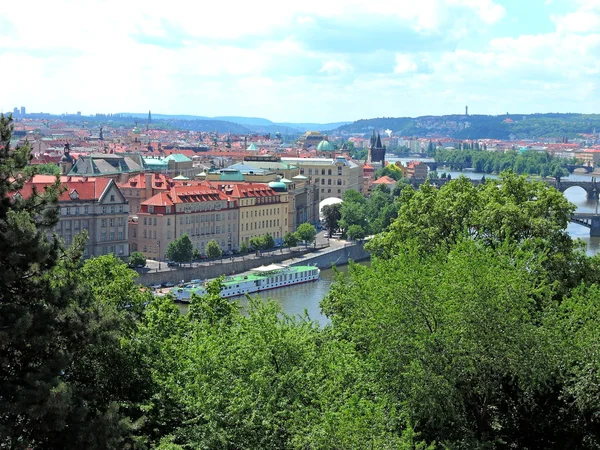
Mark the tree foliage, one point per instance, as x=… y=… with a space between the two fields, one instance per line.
x=137 y=259
x=61 y=339
x=213 y=250
x=332 y=216
x=306 y=232
x=290 y=239
x=527 y=162
x=180 y=250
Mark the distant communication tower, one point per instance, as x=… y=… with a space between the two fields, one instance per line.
x=466 y=110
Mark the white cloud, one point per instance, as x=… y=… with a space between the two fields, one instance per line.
x=231 y=57
x=334 y=67
x=405 y=64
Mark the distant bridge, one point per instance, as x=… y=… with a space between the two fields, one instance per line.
x=588 y=220
x=592 y=188
x=433 y=165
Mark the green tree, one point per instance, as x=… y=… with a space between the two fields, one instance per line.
x=180 y=250
x=48 y=321
x=137 y=259
x=196 y=254
x=355 y=232
x=268 y=242
x=256 y=242
x=47 y=169
x=213 y=250
x=243 y=248
x=306 y=232
x=331 y=215
x=290 y=239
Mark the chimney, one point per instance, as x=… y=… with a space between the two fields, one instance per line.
x=149 y=190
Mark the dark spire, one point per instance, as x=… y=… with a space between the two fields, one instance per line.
x=378 y=144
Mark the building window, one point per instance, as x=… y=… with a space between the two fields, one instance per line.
x=329 y=172
x=168 y=221
x=104 y=210
x=340 y=170
x=134 y=232
x=339 y=182
x=302 y=171
x=144 y=233
x=103 y=222
x=112 y=198
x=103 y=236
x=155 y=221
x=77 y=210
x=112 y=221
x=145 y=248
x=120 y=235
x=112 y=235
x=310 y=171
x=112 y=209
x=150 y=208
x=322 y=180
x=329 y=182
x=85 y=210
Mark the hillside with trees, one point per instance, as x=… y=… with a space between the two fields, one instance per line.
x=475 y=327
x=517 y=126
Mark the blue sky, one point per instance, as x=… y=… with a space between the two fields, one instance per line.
x=309 y=61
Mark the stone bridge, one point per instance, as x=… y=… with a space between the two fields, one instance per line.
x=592 y=187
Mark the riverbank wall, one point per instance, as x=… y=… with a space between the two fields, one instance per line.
x=339 y=256
x=323 y=258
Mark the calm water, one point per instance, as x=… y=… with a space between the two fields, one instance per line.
x=296 y=299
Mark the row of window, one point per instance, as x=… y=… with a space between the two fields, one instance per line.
x=329 y=171
x=269 y=223
x=261 y=213
x=104 y=236
x=111 y=222
x=340 y=182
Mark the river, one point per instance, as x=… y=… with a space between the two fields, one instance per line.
x=296 y=299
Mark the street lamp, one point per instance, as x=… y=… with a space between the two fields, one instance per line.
x=158 y=243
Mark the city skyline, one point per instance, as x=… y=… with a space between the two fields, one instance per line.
x=311 y=62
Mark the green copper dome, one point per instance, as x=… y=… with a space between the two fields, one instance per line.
x=325 y=146
x=136 y=130
x=278 y=186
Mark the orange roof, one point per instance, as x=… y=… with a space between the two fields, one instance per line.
x=86 y=188
x=159 y=181
x=384 y=180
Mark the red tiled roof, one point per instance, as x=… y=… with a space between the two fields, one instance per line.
x=87 y=188
x=159 y=181
x=384 y=180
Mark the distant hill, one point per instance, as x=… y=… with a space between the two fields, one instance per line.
x=518 y=126
x=251 y=124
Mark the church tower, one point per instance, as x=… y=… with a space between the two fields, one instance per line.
x=66 y=162
x=376 y=150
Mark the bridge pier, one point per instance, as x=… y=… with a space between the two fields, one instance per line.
x=592 y=194
x=595 y=227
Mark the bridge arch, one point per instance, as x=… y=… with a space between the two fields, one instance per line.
x=575 y=189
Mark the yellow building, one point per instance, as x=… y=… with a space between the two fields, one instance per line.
x=332 y=176
x=202 y=211
x=263 y=209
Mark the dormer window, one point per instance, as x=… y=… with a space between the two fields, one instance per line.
x=74 y=195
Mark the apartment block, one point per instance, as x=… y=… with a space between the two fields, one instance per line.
x=332 y=176
x=95 y=205
x=203 y=212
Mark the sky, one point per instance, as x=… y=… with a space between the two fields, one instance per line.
x=301 y=61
